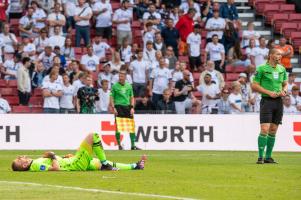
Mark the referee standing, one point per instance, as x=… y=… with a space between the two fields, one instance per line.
x=122 y=101
x=271 y=81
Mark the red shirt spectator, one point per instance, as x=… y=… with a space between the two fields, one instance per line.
x=3 y=7
x=185 y=24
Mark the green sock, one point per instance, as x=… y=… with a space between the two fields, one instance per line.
x=270 y=144
x=117 y=135
x=133 y=138
x=123 y=166
x=98 y=149
x=262 y=142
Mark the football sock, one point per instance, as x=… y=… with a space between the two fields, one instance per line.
x=270 y=144
x=123 y=166
x=262 y=142
x=133 y=138
x=98 y=149
x=117 y=135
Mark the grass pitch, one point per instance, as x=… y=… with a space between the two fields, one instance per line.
x=190 y=174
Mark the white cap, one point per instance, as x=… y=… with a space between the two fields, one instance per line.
x=243 y=75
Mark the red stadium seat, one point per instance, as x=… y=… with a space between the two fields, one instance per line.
x=197 y=94
x=38 y=92
x=78 y=50
x=21 y=109
x=295 y=18
x=296 y=40
x=287 y=28
x=115 y=6
x=259 y=5
x=269 y=10
x=240 y=69
x=184 y=59
x=37 y=109
x=3 y=83
x=8 y=91
x=13 y=101
x=136 y=24
x=288 y=8
x=278 y=20
x=232 y=76
x=36 y=101
x=12 y=83
x=229 y=69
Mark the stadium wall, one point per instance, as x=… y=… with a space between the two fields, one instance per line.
x=154 y=132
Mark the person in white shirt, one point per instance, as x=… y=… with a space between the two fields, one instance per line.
x=149 y=34
x=210 y=95
x=116 y=62
x=139 y=71
x=223 y=104
x=159 y=43
x=67 y=100
x=216 y=76
x=52 y=92
x=83 y=14
x=27 y=24
x=54 y=69
x=69 y=12
x=56 y=18
x=194 y=48
x=46 y=57
x=246 y=92
x=100 y=47
x=216 y=52
x=24 y=81
x=149 y=53
x=259 y=54
x=288 y=108
x=115 y=77
x=296 y=98
x=4 y=106
x=174 y=15
x=11 y=66
x=235 y=98
x=177 y=73
x=152 y=16
x=42 y=41
x=186 y=5
x=29 y=48
x=102 y=105
x=102 y=11
x=79 y=83
x=57 y=39
x=105 y=75
x=90 y=61
x=248 y=34
x=39 y=15
x=125 y=51
x=9 y=39
x=215 y=26
x=122 y=18
x=291 y=82
x=160 y=79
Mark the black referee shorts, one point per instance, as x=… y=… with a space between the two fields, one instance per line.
x=271 y=110
x=123 y=111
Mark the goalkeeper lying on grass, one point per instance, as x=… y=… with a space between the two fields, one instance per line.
x=81 y=161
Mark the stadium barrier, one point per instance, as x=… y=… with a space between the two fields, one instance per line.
x=154 y=132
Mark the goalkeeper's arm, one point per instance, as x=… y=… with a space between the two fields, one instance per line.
x=55 y=164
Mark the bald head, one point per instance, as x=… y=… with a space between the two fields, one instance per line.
x=275 y=56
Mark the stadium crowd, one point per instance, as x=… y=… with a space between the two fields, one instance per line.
x=176 y=54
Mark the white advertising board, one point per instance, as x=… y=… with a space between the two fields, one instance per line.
x=154 y=132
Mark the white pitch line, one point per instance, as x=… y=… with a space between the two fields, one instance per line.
x=98 y=190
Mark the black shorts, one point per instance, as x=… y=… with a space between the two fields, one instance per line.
x=195 y=62
x=123 y=111
x=105 y=32
x=271 y=110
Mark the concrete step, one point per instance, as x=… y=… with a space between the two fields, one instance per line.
x=297 y=70
x=239 y=8
x=298 y=80
x=246 y=15
x=257 y=24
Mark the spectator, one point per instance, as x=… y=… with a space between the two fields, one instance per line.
x=177 y=74
x=230 y=36
x=79 y=83
x=89 y=61
x=57 y=51
x=259 y=54
x=52 y=91
x=235 y=56
x=216 y=76
x=10 y=67
x=125 y=51
x=67 y=100
x=3 y=7
x=235 y=98
x=185 y=6
x=166 y=105
x=216 y=52
x=122 y=18
x=116 y=62
x=102 y=105
x=38 y=15
x=46 y=57
x=141 y=8
x=158 y=43
x=251 y=46
x=194 y=48
x=172 y=59
x=149 y=34
x=115 y=77
x=102 y=11
x=9 y=39
x=215 y=26
x=144 y=106
x=223 y=104
x=57 y=39
x=16 y=8
x=4 y=106
x=42 y=41
x=160 y=79
x=83 y=14
x=69 y=9
x=54 y=69
x=74 y=65
x=183 y=96
x=288 y=108
x=248 y=34
x=27 y=25
x=210 y=95
x=100 y=47
x=246 y=92
x=149 y=54
x=171 y=35
x=271 y=44
x=174 y=15
x=152 y=17
x=87 y=96
x=287 y=54
x=68 y=50
x=56 y=19
x=139 y=70
x=29 y=48
x=105 y=75
x=24 y=82
x=208 y=9
x=295 y=98
x=228 y=11
x=255 y=102
x=291 y=82
x=38 y=75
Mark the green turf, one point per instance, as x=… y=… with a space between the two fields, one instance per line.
x=194 y=174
